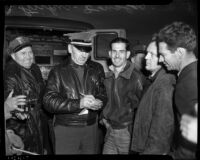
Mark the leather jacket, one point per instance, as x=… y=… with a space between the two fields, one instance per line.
x=124 y=92
x=23 y=80
x=63 y=92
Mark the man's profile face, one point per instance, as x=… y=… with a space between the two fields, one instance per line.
x=167 y=57
x=119 y=54
x=152 y=58
x=78 y=56
x=24 y=57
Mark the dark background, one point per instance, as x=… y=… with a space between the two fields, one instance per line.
x=139 y=21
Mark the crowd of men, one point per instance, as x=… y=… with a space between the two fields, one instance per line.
x=153 y=115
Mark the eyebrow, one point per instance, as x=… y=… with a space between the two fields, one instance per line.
x=23 y=52
x=151 y=53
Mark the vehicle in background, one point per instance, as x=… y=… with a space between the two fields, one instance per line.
x=47 y=37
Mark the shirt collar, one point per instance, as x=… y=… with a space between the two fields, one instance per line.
x=152 y=78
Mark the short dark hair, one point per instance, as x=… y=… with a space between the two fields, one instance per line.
x=120 y=40
x=178 y=34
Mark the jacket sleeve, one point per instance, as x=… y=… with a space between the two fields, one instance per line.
x=101 y=90
x=138 y=90
x=40 y=80
x=162 y=124
x=10 y=83
x=54 y=101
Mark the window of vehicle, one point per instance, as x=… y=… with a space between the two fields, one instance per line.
x=101 y=46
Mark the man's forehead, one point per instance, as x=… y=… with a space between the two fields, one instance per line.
x=119 y=45
x=162 y=45
x=152 y=47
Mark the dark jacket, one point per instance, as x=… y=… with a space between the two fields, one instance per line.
x=124 y=93
x=186 y=95
x=154 y=121
x=62 y=95
x=21 y=80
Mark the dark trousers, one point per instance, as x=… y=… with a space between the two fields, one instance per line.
x=75 y=139
x=47 y=133
x=100 y=138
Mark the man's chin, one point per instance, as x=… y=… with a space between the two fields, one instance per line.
x=27 y=66
x=117 y=64
x=169 y=68
x=81 y=63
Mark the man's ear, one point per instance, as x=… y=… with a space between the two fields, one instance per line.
x=109 y=53
x=70 y=48
x=133 y=59
x=181 y=51
x=128 y=53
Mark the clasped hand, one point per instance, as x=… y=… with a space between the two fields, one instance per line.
x=89 y=102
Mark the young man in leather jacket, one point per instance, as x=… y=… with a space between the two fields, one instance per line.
x=124 y=87
x=75 y=93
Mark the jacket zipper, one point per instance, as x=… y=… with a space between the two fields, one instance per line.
x=84 y=79
x=116 y=90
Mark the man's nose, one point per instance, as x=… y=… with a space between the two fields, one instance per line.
x=84 y=54
x=147 y=56
x=117 y=54
x=161 y=59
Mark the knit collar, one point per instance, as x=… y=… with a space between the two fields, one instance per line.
x=126 y=72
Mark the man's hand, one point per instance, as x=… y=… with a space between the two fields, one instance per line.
x=12 y=103
x=189 y=127
x=89 y=102
x=98 y=103
x=106 y=124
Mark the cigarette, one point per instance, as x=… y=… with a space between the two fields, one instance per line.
x=24 y=151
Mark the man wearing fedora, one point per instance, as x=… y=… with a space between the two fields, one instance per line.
x=75 y=93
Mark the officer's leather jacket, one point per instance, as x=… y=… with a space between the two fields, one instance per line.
x=20 y=79
x=63 y=92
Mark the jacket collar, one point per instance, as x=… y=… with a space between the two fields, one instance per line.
x=152 y=78
x=126 y=73
x=187 y=69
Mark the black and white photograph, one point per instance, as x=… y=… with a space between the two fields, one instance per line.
x=100 y=80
